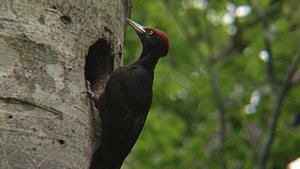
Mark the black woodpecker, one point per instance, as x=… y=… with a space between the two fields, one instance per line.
x=126 y=100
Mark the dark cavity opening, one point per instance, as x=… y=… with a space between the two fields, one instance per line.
x=61 y=141
x=66 y=20
x=99 y=66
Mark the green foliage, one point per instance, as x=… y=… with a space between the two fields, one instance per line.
x=183 y=126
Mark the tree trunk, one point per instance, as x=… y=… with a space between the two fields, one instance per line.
x=47 y=118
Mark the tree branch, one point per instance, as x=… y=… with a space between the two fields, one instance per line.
x=221 y=109
x=280 y=92
x=279 y=101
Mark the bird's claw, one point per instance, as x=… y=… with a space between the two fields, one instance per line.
x=89 y=89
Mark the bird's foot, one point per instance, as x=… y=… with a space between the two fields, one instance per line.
x=91 y=95
x=89 y=89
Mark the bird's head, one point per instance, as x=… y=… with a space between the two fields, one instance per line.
x=152 y=39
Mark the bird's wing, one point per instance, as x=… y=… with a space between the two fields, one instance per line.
x=121 y=124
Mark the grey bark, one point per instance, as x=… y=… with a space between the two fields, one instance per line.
x=46 y=118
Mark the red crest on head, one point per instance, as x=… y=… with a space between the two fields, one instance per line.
x=163 y=35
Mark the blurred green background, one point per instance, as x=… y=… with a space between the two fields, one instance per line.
x=231 y=73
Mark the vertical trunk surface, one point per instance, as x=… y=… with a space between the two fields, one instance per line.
x=46 y=117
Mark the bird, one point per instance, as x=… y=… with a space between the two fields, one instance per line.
x=127 y=98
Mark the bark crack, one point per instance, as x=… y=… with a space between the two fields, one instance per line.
x=14 y=100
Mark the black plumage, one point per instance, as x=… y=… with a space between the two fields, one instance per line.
x=126 y=101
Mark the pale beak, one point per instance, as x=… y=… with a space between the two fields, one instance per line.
x=136 y=26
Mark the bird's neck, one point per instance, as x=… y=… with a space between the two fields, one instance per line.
x=148 y=60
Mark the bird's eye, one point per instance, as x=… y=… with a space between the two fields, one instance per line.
x=151 y=32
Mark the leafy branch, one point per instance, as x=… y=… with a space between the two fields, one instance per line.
x=279 y=101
